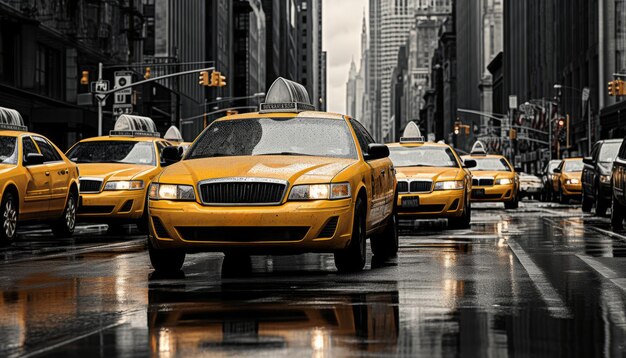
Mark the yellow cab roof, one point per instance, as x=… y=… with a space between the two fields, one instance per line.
x=12 y=133
x=305 y=114
x=119 y=138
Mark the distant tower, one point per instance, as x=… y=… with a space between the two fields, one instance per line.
x=351 y=90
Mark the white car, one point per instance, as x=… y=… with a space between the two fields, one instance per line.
x=530 y=186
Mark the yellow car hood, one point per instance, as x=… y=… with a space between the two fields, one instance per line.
x=294 y=169
x=113 y=171
x=430 y=173
x=493 y=174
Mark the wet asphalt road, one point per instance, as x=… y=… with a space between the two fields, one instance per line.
x=543 y=280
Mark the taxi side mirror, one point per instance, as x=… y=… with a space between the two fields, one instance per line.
x=556 y=170
x=588 y=160
x=33 y=159
x=376 y=151
x=469 y=163
x=171 y=155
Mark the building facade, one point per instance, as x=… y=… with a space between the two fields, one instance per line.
x=249 y=50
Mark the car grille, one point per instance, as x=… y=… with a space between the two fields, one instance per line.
x=482 y=181
x=90 y=185
x=245 y=192
x=403 y=187
x=242 y=233
x=421 y=186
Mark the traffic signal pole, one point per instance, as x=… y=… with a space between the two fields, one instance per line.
x=100 y=103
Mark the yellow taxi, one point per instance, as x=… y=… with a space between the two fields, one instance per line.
x=493 y=178
x=38 y=182
x=287 y=179
x=433 y=181
x=116 y=171
x=175 y=138
x=568 y=179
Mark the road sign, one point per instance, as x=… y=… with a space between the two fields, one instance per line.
x=100 y=86
x=119 y=109
x=123 y=78
x=121 y=98
x=102 y=98
x=512 y=102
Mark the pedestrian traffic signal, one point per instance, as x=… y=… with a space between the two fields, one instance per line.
x=221 y=81
x=84 y=80
x=215 y=79
x=147 y=74
x=203 y=79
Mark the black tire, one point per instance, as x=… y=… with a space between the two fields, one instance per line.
x=352 y=259
x=65 y=225
x=9 y=212
x=385 y=244
x=165 y=261
x=513 y=204
x=143 y=223
x=617 y=215
x=462 y=222
x=587 y=204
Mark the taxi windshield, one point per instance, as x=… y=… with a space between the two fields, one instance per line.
x=424 y=156
x=275 y=136
x=491 y=164
x=123 y=152
x=8 y=150
x=573 y=166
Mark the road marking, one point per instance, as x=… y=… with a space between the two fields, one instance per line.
x=604 y=271
x=553 y=300
x=607 y=232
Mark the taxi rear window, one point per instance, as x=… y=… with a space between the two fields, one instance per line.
x=439 y=157
x=123 y=152
x=8 y=150
x=275 y=136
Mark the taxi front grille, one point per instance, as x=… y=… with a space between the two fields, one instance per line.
x=482 y=182
x=242 y=193
x=421 y=186
x=403 y=187
x=243 y=233
x=90 y=185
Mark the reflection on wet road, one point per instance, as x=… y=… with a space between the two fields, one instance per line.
x=540 y=281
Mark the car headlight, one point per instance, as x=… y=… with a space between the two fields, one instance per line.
x=320 y=192
x=572 y=181
x=605 y=179
x=449 y=185
x=504 y=181
x=171 y=192
x=124 y=185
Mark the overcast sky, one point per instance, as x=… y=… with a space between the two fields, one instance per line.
x=342 y=21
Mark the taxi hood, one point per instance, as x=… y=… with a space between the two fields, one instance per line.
x=429 y=173
x=294 y=169
x=108 y=171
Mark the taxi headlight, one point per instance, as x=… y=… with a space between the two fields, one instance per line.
x=605 y=179
x=124 y=185
x=320 y=192
x=449 y=185
x=171 y=192
x=504 y=181
x=572 y=181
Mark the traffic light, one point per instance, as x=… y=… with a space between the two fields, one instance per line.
x=84 y=80
x=620 y=88
x=457 y=127
x=147 y=74
x=231 y=112
x=221 y=81
x=215 y=79
x=561 y=123
x=513 y=134
x=612 y=88
x=203 y=79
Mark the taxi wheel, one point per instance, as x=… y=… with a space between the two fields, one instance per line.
x=165 y=261
x=462 y=222
x=617 y=215
x=562 y=198
x=352 y=258
x=385 y=244
x=513 y=204
x=9 y=213
x=65 y=225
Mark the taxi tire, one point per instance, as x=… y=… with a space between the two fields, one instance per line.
x=64 y=226
x=617 y=215
x=143 y=223
x=352 y=259
x=165 y=261
x=385 y=244
x=562 y=198
x=513 y=204
x=462 y=222
x=7 y=238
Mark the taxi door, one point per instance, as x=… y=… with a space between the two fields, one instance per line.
x=37 y=197
x=58 y=173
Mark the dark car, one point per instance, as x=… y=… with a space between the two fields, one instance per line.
x=597 y=175
x=618 y=208
x=548 y=193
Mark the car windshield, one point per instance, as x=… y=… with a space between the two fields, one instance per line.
x=608 y=152
x=422 y=157
x=573 y=166
x=8 y=150
x=491 y=164
x=275 y=136
x=124 y=152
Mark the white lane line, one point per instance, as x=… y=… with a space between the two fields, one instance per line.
x=607 y=232
x=555 y=304
x=604 y=271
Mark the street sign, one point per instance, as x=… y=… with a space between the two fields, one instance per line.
x=121 y=98
x=102 y=98
x=512 y=102
x=586 y=93
x=123 y=78
x=119 y=109
x=100 y=86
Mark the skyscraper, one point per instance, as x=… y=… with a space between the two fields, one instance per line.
x=249 y=47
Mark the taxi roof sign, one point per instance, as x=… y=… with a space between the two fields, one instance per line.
x=11 y=119
x=286 y=96
x=478 y=148
x=412 y=134
x=134 y=126
x=173 y=135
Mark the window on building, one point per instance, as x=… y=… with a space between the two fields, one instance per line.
x=48 y=78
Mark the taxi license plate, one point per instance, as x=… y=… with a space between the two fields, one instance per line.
x=478 y=192
x=413 y=202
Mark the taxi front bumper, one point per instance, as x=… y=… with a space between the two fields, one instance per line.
x=437 y=204
x=112 y=205
x=495 y=193
x=293 y=227
x=572 y=189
